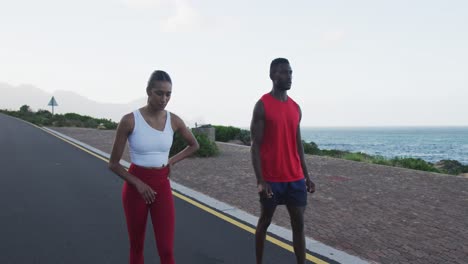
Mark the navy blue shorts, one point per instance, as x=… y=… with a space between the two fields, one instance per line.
x=288 y=193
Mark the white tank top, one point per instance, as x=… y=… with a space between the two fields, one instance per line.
x=150 y=147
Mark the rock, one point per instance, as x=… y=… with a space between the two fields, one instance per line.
x=208 y=131
x=101 y=126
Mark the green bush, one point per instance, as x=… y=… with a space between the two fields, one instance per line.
x=226 y=133
x=74 y=116
x=44 y=113
x=381 y=161
x=45 y=118
x=450 y=167
x=91 y=123
x=244 y=136
x=465 y=169
x=207 y=147
x=109 y=124
x=355 y=157
x=25 y=109
x=58 y=121
x=310 y=148
x=333 y=153
x=413 y=163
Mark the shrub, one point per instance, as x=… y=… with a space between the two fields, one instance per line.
x=355 y=157
x=413 y=163
x=381 y=160
x=25 y=109
x=74 y=116
x=108 y=124
x=450 y=166
x=91 y=123
x=58 y=120
x=310 y=148
x=45 y=118
x=44 y=113
x=226 y=133
x=207 y=147
x=465 y=169
x=333 y=153
x=244 y=136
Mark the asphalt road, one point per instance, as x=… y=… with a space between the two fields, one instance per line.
x=59 y=204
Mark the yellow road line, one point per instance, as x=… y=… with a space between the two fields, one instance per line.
x=244 y=226
x=74 y=144
x=205 y=208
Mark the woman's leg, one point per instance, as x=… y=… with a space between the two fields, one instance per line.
x=136 y=214
x=163 y=219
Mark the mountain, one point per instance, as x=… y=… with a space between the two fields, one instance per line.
x=13 y=97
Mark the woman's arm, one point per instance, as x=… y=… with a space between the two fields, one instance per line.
x=123 y=130
x=179 y=127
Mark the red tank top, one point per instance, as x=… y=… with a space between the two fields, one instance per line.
x=278 y=152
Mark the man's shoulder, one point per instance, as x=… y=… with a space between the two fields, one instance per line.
x=292 y=100
x=265 y=97
x=295 y=103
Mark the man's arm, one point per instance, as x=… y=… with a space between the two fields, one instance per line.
x=300 y=149
x=256 y=129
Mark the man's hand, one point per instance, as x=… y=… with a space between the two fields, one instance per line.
x=264 y=189
x=148 y=194
x=310 y=185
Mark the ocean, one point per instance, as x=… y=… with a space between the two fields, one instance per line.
x=428 y=143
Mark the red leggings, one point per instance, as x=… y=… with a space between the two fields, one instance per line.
x=162 y=214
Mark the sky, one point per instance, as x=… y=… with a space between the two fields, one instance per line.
x=355 y=63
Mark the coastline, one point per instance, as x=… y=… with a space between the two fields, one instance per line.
x=428 y=143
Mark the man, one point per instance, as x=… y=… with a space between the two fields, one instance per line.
x=278 y=159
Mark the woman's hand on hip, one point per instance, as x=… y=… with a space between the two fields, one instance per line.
x=148 y=194
x=170 y=163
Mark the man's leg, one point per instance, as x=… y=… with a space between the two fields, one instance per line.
x=260 y=234
x=296 y=213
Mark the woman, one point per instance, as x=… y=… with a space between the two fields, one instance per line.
x=149 y=131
